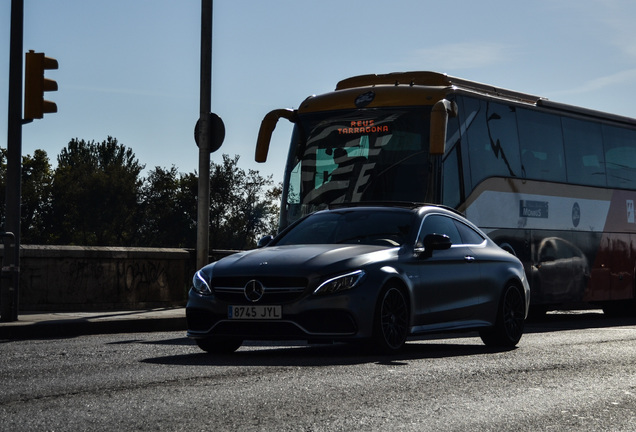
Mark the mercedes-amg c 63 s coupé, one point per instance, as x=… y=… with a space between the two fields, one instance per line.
x=376 y=274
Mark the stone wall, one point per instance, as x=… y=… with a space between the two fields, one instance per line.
x=74 y=278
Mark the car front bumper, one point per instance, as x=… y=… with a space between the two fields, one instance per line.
x=343 y=316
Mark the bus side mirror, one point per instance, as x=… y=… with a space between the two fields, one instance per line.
x=439 y=119
x=267 y=128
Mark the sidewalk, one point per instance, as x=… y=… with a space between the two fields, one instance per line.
x=35 y=325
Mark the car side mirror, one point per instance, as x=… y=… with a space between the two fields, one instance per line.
x=264 y=241
x=433 y=242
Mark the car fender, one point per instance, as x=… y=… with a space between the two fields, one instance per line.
x=510 y=273
x=402 y=277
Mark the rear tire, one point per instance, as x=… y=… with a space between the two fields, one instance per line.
x=508 y=328
x=219 y=345
x=391 y=323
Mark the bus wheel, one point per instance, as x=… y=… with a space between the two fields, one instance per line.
x=509 y=325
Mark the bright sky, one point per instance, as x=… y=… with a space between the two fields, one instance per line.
x=130 y=68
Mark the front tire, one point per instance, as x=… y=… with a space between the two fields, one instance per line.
x=510 y=322
x=391 y=323
x=219 y=345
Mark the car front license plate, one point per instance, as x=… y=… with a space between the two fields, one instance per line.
x=255 y=312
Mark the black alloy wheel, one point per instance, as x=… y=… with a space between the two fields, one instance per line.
x=508 y=329
x=391 y=323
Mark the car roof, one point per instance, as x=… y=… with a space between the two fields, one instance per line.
x=395 y=205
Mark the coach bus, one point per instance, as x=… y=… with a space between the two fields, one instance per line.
x=551 y=183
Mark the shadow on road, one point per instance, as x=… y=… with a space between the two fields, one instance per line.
x=300 y=354
x=426 y=347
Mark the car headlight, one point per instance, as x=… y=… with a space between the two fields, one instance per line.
x=340 y=283
x=200 y=285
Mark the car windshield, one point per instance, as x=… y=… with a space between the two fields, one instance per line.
x=371 y=227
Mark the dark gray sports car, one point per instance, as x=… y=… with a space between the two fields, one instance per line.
x=376 y=274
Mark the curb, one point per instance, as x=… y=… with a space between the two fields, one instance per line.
x=61 y=326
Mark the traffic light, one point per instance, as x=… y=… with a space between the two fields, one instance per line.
x=35 y=84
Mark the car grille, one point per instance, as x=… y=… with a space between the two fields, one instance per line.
x=277 y=290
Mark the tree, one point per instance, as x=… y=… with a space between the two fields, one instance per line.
x=239 y=205
x=95 y=194
x=241 y=208
x=37 y=177
x=35 y=209
x=168 y=208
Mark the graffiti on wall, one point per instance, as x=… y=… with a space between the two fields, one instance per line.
x=99 y=281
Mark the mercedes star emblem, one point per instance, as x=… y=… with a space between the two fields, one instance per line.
x=254 y=290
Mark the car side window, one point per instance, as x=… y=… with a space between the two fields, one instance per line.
x=439 y=224
x=469 y=235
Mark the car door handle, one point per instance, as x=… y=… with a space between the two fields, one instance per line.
x=469 y=258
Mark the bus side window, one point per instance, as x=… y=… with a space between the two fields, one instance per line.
x=541 y=141
x=451 y=189
x=451 y=178
x=493 y=140
x=620 y=156
x=584 y=152
x=293 y=193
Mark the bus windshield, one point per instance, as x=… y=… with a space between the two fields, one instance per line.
x=353 y=156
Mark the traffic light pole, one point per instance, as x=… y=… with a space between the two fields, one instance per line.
x=10 y=282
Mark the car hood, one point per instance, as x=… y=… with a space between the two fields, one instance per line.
x=301 y=260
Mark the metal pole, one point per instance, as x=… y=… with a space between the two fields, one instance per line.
x=11 y=263
x=203 y=203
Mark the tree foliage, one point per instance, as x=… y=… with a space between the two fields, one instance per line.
x=168 y=209
x=36 y=178
x=239 y=206
x=95 y=192
x=96 y=196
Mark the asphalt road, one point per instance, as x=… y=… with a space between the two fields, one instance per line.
x=570 y=373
